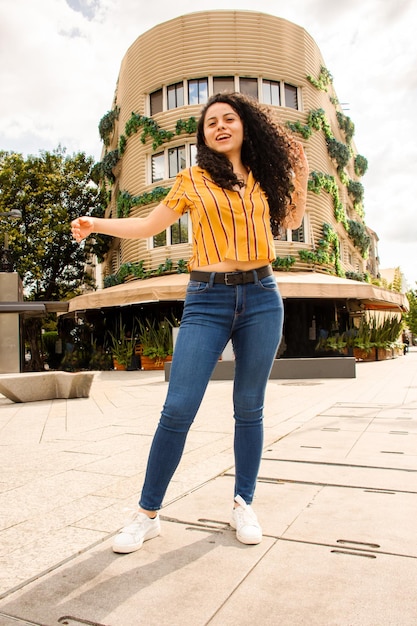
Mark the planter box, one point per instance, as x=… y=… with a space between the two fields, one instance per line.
x=153 y=364
x=364 y=355
x=383 y=354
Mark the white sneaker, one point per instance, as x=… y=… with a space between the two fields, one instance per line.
x=244 y=520
x=140 y=529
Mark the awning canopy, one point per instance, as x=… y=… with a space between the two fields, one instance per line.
x=292 y=285
x=314 y=285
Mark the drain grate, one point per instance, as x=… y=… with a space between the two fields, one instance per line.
x=362 y=544
x=69 y=620
x=363 y=554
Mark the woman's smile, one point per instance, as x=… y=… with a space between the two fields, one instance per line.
x=223 y=129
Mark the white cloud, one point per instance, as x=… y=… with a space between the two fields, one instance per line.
x=59 y=62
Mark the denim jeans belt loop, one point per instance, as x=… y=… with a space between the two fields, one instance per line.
x=232 y=278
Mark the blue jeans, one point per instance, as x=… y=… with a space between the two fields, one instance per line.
x=251 y=316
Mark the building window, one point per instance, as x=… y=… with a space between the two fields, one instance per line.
x=156 y=102
x=158 y=167
x=249 y=87
x=298 y=234
x=197 y=91
x=193 y=154
x=167 y=164
x=175 y=234
x=179 y=230
x=160 y=239
x=176 y=160
x=223 y=83
x=270 y=92
x=282 y=235
x=286 y=234
x=273 y=92
x=175 y=95
x=291 y=96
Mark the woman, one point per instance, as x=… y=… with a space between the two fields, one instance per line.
x=251 y=179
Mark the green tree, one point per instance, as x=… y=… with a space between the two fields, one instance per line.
x=49 y=190
x=411 y=317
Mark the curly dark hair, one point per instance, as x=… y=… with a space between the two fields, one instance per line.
x=266 y=150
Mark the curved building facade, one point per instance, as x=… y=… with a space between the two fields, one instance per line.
x=165 y=78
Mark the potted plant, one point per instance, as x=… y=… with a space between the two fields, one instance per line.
x=155 y=339
x=121 y=346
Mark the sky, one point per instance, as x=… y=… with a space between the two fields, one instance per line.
x=60 y=59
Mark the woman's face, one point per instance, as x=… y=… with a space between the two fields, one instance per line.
x=223 y=129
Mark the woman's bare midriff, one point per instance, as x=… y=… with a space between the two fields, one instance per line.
x=231 y=265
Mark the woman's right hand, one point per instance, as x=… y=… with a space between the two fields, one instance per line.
x=81 y=227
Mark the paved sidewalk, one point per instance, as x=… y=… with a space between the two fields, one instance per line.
x=337 y=499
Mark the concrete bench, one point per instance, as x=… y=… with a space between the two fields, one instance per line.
x=318 y=367
x=35 y=386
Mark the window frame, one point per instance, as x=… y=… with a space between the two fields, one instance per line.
x=284 y=93
x=277 y=83
x=200 y=100
x=287 y=234
x=175 y=88
x=238 y=82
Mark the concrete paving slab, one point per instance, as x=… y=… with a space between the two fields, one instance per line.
x=306 y=585
x=338 y=474
x=180 y=577
x=63 y=510
x=212 y=503
x=372 y=440
x=383 y=519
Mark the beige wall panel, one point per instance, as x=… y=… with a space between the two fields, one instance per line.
x=204 y=44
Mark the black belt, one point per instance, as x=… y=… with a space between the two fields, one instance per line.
x=232 y=278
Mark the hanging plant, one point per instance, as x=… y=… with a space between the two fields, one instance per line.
x=317 y=119
x=346 y=125
x=360 y=165
x=356 y=190
x=283 y=263
x=108 y=163
x=339 y=152
x=106 y=125
x=137 y=271
x=182 y=267
x=122 y=144
x=362 y=277
x=324 y=80
x=319 y=181
x=149 y=129
x=186 y=126
x=360 y=237
x=327 y=251
x=303 y=129
x=125 y=201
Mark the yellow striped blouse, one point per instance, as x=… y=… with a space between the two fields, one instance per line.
x=225 y=225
